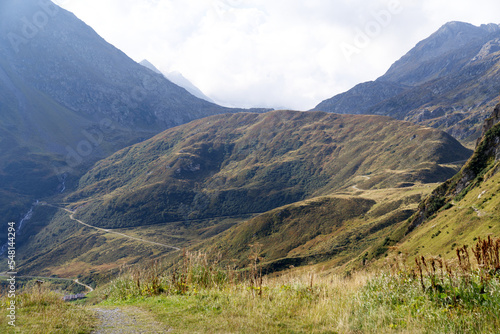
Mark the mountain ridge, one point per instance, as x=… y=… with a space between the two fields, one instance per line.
x=178 y=79
x=275 y=146
x=447 y=81
x=68 y=98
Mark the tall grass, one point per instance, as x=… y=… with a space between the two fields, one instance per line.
x=42 y=310
x=436 y=295
x=433 y=296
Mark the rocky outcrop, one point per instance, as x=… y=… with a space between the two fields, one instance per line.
x=490 y=122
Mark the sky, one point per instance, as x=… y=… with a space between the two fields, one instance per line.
x=274 y=53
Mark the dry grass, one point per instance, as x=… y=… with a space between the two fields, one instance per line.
x=40 y=310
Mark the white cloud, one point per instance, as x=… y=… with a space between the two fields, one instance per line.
x=273 y=53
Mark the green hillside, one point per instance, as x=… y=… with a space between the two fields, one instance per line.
x=328 y=230
x=465 y=207
x=251 y=163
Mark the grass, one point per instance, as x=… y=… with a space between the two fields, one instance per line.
x=459 y=224
x=289 y=304
x=434 y=296
x=43 y=311
x=200 y=295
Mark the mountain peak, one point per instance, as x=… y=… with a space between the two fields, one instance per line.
x=147 y=64
x=490 y=27
x=446 y=40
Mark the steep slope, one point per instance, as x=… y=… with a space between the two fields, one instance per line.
x=447 y=81
x=68 y=98
x=448 y=49
x=465 y=207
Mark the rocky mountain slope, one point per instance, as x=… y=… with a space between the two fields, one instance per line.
x=483 y=165
x=447 y=81
x=68 y=98
x=464 y=208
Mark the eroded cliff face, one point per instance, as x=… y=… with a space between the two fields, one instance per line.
x=484 y=163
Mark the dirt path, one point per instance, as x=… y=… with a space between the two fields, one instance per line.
x=355 y=187
x=85 y=285
x=129 y=320
x=72 y=217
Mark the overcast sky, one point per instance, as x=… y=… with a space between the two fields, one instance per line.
x=274 y=53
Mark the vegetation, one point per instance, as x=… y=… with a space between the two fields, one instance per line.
x=251 y=163
x=41 y=310
x=434 y=295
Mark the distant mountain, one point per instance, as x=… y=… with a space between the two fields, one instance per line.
x=68 y=98
x=148 y=64
x=448 y=81
x=246 y=163
x=178 y=79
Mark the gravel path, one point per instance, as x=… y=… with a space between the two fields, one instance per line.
x=127 y=321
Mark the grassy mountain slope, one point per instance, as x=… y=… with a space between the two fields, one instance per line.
x=460 y=223
x=249 y=163
x=463 y=208
x=330 y=230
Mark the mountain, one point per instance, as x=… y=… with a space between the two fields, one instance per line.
x=248 y=163
x=146 y=63
x=178 y=79
x=447 y=81
x=288 y=178
x=69 y=98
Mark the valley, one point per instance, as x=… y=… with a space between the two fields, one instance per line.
x=339 y=184
x=152 y=199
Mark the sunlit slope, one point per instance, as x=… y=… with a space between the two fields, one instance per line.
x=251 y=163
x=465 y=207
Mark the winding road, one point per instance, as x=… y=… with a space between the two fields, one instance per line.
x=72 y=217
x=54 y=278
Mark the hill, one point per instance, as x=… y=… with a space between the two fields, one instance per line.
x=250 y=163
x=447 y=81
